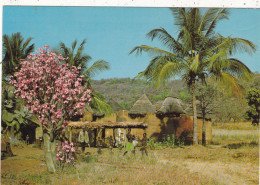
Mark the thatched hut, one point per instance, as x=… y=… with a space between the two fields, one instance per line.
x=141 y=107
x=171 y=106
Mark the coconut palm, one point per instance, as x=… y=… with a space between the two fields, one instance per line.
x=78 y=59
x=197 y=52
x=15 y=48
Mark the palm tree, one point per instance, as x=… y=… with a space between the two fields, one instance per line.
x=15 y=49
x=78 y=59
x=197 y=53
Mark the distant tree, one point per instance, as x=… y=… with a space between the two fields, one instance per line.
x=197 y=53
x=52 y=91
x=126 y=105
x=253 y=100
x=15 y=48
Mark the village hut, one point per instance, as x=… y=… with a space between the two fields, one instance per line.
x=141 y=107
x=171 y=106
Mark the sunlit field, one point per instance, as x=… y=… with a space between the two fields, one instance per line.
x=233 y=158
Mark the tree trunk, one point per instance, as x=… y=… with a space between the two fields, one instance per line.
x=203 y=129
x=50 y=152
x=195 y=132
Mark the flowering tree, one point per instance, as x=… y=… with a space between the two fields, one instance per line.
x=52 y=90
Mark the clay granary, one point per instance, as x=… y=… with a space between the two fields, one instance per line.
x=164 y=118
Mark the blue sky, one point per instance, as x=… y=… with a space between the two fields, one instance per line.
x=111 y=33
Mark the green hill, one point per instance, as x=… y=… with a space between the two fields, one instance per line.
x=127 y=91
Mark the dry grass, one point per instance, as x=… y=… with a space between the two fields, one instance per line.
x=235 y=126
x=233 y=159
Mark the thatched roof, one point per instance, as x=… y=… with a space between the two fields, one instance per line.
x=114 y=105
x=87 y=124
x=171 y=106
x=142 y=106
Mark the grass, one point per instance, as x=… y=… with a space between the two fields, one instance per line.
x=233 y=158
x=235 y=126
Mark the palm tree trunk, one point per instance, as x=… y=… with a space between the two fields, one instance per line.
x=203 y=128
x=50 y=152
x=195 y=133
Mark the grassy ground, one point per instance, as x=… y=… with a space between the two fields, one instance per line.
x=233 y=158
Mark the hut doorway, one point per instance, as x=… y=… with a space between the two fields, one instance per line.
x=29 y=129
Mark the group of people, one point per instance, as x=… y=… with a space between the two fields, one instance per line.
x=83 y=140
x=131 y=143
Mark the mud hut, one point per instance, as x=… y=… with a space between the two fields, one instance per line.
x=141 y=107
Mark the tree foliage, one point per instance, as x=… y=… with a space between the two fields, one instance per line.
x=198 y=52
x=50 y=89
x=15 y=48
x=77 y=58
x=253 y=100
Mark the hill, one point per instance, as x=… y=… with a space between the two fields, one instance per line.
x=127 y=91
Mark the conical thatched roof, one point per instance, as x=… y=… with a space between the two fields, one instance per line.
x=114 y=105
x=171 y=106
x=142 y=106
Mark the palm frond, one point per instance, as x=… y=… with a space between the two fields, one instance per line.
x=243 y=45
x=100 y=105
x=97 y=67
x=153 y=51
x=64 y=49
x=167 y=40
x=230 y=84
x=222 y=14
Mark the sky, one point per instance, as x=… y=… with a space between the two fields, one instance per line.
x=112 y=32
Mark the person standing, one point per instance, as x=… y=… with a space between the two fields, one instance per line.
x=81 y=140
x=129 y=145
x=110 y=143
x=144 y=145
x=27 y=139
x=87 y=139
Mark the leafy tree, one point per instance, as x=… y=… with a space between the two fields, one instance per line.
x=197 y=52
x=78 y=59
x=253 y=100
x=52 y=91
x=13 y=112
x=15 y=48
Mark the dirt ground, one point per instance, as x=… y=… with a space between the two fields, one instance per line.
x=204 y=165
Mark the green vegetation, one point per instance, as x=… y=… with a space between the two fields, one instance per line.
x=78 y=59
x=14 y=49
x=253 y=100
x=197 y=53
x=14 y=114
